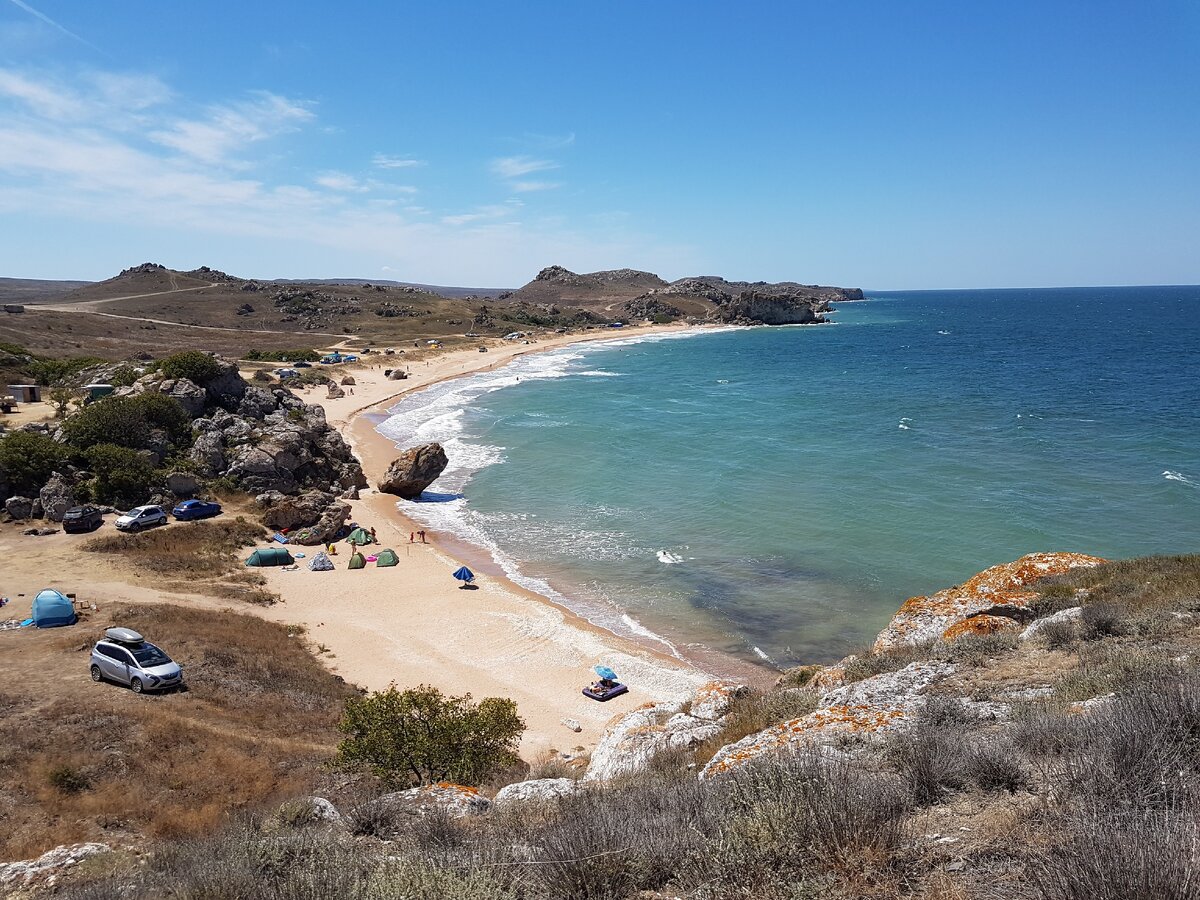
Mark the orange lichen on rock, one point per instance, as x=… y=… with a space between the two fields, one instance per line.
x=980 y=625
x=927 y=618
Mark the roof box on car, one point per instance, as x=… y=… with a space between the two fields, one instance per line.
x=124 y=635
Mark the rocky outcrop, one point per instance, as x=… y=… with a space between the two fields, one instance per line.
x=190 y=395
x=539 y=790
x=311 y=518
x=45 y=870
x=453 y=800
x=57 y=496
x=862 y=710
x=771 y=308
x=20 y=508
x=1035 y=629
x=632 y=741
x=182 y=484
x=414 y=470
x=923 y=619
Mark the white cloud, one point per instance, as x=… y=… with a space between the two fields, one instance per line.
x=340 y=181
x=516 y=166
x=383 y=161
x=524 y=187
x=49 y=21
x=49 y=101
x=232 y=126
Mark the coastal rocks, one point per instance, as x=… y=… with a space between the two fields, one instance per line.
x=980 y=625
x=923 y=619
x=190 y=395
x=333 y=392
x=414 y=470
x=314 y=517
x=632 y=741
x=182 y=484
x=453 y=800
x=1067 y=615
x=539 y=790
x=860 y=710
x=57 y=496
x=256 y=403
x=19 y=507
x=762 y=308
x=46 y=868
x=208 y=453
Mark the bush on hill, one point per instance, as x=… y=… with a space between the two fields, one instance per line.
x=307 y=355
x=128 y=421
x=193 y=365
x=124 y=477
x=52 y=371
x=420 y=736
x=27 y=460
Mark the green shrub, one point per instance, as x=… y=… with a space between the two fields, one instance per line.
x=124 y=477
x=51 y=371
x=68 y=780
x=128 y=421
x=307 y=355
x=28 y=459
x=123 y=376
x=193 y=365
x=420 y=736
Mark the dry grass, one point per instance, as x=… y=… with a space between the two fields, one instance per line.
x=752 y=713
x=1148 y=582
x=83 y=761
x=196 y=557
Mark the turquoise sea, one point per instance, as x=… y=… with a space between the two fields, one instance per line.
x=776 y=493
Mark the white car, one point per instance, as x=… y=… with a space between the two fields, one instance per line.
x=141 y=517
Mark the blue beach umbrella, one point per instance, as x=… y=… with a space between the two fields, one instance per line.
x=605 y=672
x=464 y=575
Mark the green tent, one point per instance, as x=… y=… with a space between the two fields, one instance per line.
x=357 y=561
x=361 y=537
x=386 y=558
x=270 y=556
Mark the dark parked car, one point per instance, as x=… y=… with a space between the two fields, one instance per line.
x=196 y=509
x=301 y=364
x=82 y=518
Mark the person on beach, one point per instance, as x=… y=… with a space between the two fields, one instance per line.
x=374 y=540
x=412 y=536
x=422 y=534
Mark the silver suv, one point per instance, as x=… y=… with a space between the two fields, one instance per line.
x=124 y=656
x=141 y=517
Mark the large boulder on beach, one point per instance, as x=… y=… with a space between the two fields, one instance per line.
x=19 y=507
x=57 y=496
x=414 y=470
x=311 y=518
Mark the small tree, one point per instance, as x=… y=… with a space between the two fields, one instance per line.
x=61 y=398
x=420 y=736
x=193 y=365
x=28 y=459
x=124 y=477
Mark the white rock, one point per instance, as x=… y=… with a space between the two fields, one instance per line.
x=454 y=799
x=1065 y=615
x=573 y=724
x=46 y=866
x=539 y=789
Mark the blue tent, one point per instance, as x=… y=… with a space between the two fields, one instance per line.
x=51 y=609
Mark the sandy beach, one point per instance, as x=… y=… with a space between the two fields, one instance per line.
x=412 y=624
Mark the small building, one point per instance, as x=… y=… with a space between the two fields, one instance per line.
x=96 y=391
x=26 y=393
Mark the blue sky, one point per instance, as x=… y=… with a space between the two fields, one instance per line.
x=887 y=145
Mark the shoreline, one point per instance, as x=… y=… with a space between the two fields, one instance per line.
x=414 y=625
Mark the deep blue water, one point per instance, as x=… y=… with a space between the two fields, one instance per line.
x=786 y=488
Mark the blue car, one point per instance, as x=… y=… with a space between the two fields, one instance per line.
x=196 y=509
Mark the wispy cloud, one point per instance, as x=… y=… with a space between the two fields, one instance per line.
x=383 y=161
x=525 y=187
x=548 y=141
x=340 y=181
x=516 y=166
x=232 y=126
x=494 y=211
x=49 y=21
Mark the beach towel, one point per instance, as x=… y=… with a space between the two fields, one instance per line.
x=299 y=555
x=279 y=538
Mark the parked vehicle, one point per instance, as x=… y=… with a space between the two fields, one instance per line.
x=82 y=518
x=196 y=509
x=124 y=656
x=301 y=364
x=141 y=517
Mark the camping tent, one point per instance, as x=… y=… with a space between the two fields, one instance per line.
x=50 y=609
x=321 y=563
x=270 y=556
x=357 y=561
x=386 y=558
x=360 y=536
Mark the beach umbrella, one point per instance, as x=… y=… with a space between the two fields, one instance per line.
x=464 y=575
x=605 y=672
